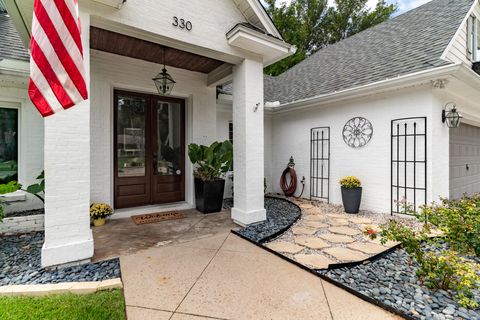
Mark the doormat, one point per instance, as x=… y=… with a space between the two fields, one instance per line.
x=157 y=217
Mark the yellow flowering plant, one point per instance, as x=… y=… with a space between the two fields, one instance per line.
x=350 y=182
x=100 y=210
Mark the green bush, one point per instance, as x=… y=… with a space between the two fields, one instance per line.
x=12 y=186
x=459 y=220
x=438 y=270
x=5 y=188
x=211 y=162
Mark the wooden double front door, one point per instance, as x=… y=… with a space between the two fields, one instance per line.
x=149 y=142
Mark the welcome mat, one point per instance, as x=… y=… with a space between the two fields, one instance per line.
x=157 y=217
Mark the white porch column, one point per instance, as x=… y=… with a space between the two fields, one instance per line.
x=248 y=143
x=68 y=237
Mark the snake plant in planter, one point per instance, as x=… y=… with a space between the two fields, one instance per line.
x=211 y=163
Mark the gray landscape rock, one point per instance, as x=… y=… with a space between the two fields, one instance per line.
x=20 y=264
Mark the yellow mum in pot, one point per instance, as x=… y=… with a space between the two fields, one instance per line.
x=98 y=213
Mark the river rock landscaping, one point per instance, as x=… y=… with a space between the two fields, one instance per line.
x=281 y=214
x=20 y=264
x=392 y=280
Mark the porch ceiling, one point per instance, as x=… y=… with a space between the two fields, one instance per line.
x=112 y=42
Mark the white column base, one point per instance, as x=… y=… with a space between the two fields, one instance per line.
x=67 y=253
x=245 y=218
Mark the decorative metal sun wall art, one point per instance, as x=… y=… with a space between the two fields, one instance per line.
x=357 y=132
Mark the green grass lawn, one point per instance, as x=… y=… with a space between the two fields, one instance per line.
x=98 y=306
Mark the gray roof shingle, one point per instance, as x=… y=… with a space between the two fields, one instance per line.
x=11 y=45
x=408 y=43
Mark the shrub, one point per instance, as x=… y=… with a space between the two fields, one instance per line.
x=350 y=182
x=437 y=269
x=12 y=186
x=460 y=222
x=100 y=210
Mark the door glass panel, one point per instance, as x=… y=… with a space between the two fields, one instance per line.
x=8 y=145
x=169 y=126
x=131 y=136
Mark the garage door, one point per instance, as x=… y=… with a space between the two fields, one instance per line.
x=464 y=161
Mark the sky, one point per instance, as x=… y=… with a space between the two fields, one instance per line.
x=403 y=5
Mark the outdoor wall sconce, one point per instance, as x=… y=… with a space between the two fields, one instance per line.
x=164 y=81
x=451 y=116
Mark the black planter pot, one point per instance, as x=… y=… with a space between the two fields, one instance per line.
x=209 y=195
x=351 y=198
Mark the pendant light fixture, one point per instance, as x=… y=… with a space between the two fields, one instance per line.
x=164 y=81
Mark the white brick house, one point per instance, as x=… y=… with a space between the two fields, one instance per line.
x=394 y=71
x=413 y=66
x=103 y=149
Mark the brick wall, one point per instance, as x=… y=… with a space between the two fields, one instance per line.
x=111 y=72
x=291 y=137
x=22 y=224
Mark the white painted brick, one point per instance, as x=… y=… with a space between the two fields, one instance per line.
x=68 y=236
x=22 y=224
x=111 y=72
x=248 y=142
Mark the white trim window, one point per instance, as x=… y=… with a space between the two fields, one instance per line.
x=8 y=144
x=473 y=39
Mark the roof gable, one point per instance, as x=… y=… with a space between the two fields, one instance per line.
x=255 y=13
x=11 y=45
x=408 y=43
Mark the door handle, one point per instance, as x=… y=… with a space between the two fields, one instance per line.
x=155 y=163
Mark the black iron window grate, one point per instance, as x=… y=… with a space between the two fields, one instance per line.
x=408 y=164
x=320 y=163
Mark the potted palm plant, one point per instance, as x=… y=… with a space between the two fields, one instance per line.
x=211 y=163
x=351 y=194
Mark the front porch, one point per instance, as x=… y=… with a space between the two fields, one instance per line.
x=95 y=153
x=121 y=237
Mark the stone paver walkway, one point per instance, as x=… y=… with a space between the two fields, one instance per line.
x=226 y=277
x=321 y=238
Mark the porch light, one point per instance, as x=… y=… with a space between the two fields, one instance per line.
x=164 y=81
x=451 y=116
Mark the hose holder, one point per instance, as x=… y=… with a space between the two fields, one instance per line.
x=291 y=163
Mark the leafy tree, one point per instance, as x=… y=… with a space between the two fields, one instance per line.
x=312 y=24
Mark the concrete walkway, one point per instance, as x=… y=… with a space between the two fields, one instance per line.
x=225 y=277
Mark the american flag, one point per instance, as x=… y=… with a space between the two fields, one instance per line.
x=57 y=75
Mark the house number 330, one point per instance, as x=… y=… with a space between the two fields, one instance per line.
x=181 y=23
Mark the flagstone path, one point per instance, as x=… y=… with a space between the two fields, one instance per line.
x=320 y=238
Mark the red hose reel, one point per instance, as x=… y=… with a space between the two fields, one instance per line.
x=289 y=187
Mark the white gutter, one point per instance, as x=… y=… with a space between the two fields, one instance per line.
x=15 y=68
x=409 y=80
x=276 y=41
x=469 y=76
